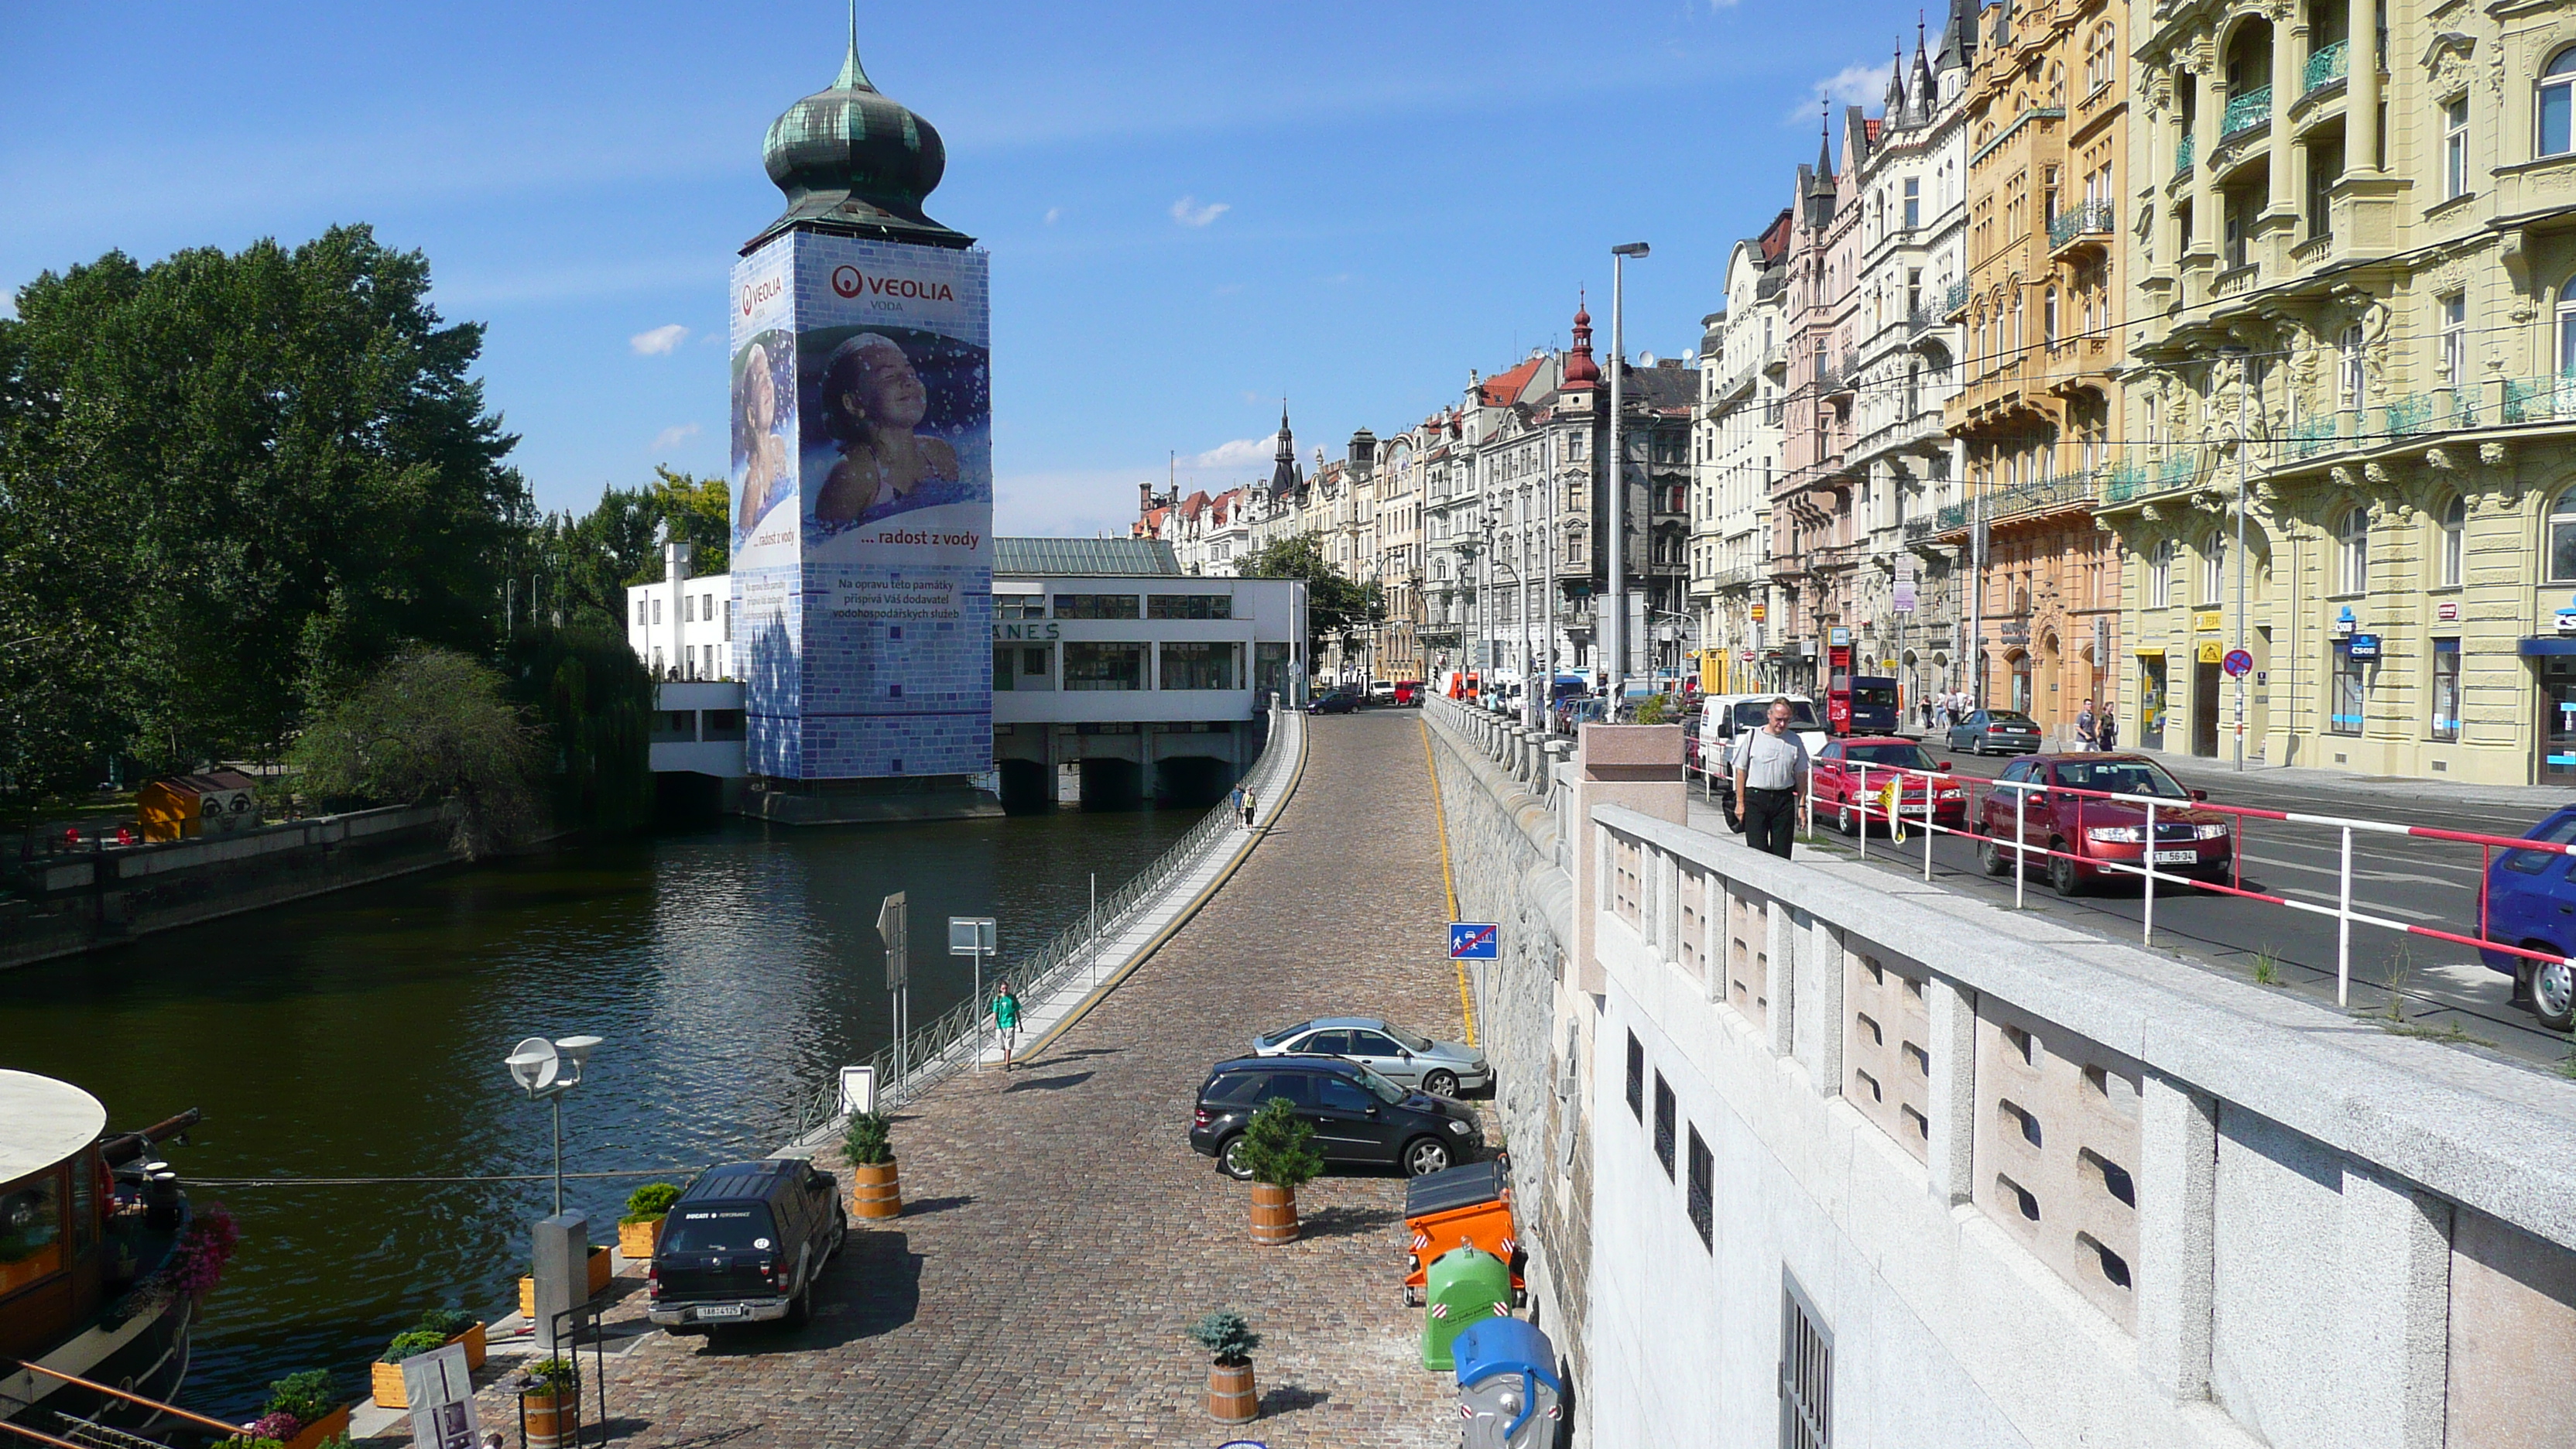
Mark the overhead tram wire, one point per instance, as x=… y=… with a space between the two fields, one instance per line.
x=281 y=1181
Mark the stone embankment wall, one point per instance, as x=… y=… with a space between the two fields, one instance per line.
x=1504 y=855
x=72 y=903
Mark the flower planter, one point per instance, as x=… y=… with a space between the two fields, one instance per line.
x=601 y=1266
x=637 y=1240
x=1231 y=1398
x=1274 y=1215
x=874 y=1191
x=387 y=1378
x=312 y=1435
x=550 y=1417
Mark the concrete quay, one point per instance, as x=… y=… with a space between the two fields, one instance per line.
x=1059 y=1234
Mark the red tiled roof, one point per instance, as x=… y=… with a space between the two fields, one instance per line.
x=1504 y=388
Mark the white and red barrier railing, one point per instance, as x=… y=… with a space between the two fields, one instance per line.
x=1868 y=804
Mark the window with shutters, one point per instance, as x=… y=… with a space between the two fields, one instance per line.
x=1664 y=1124
x=1636 y=1078
x=1806 y=1373
x=1703 y=1171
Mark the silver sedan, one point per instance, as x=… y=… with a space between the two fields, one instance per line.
x=1442 y=1068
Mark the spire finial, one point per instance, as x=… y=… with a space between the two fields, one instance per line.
x=854 y=77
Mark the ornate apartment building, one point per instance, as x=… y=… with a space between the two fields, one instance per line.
x=1735 y=453
x=2352 y=281
x=2047 y=110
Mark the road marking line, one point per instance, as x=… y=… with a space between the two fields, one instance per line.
x=2387 y=875
x=2329 y=899
x=1448 y=879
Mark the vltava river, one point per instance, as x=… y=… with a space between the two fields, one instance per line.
x=362 y=1035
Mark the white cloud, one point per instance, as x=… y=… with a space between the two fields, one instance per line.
x=1052 y=213
x=1241 y=453
x=1857 y=84
x=670 y=438
x=660 y=342
x=1188 y=212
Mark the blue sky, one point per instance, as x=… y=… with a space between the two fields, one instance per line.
x=1192 y=208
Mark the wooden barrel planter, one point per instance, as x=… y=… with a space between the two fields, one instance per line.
x=875 y=1192
x=550 y=1417
x=1274 y=1215
x=1231 y=1398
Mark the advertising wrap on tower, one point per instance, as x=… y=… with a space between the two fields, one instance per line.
x=863 y=474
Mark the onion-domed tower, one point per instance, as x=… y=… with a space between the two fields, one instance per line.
x=856 y=162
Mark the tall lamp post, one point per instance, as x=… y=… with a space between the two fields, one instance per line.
x=546 y=1070
x=2244 y=465
x=1618 y=581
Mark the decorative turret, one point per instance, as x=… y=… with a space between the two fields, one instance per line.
x=1581 y=373
x=1893 y=108
x=855 y=162
x=1284 y=477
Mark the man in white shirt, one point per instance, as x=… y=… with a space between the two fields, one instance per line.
x=1770 y=782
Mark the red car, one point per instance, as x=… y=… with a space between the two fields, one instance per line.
x=1850 y=792
x=2200 y=843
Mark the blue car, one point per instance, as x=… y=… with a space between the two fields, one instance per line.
x=2531 y=903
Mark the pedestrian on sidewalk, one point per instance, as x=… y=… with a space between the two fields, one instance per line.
x=2086 y=735
x=1006 y=1019
x=1771 y=782
x=1250 y=806
x=1236 y=801
x=2107 y=733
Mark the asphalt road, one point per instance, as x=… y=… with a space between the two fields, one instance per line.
x=2443 y=989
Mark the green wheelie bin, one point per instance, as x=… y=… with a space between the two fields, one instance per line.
x=1464 y=1286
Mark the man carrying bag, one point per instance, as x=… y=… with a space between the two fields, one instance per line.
x=1771 y=782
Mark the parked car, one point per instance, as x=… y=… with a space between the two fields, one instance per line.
x=1723 y=718
x=1996 y=731
x=1337 y=702
x=744 y=1244
x=1409 y=692
x=1381 y=691
x=2193 y=842
x=1851 y=792
x=1360 y=1118
x=2531 y=903
x=1408 y=1059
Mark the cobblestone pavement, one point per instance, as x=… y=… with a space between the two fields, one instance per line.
x=1059 y=1233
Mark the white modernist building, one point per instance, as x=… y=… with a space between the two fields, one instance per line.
x=1116 y=676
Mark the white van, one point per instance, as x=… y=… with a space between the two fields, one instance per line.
x=1724 y=717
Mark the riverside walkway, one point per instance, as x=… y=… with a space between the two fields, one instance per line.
x=1059 y=1234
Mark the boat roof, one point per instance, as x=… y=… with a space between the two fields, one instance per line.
x=43 y=1122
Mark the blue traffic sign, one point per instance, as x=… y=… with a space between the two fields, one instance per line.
x=1473 y=941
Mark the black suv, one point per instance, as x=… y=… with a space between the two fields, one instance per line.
x=744 y=1244
x=1360 y=1118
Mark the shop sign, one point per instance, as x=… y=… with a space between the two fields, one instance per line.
x=2448 y=611
x=2205 y=621
x=2212 y=652
x=2365 y=646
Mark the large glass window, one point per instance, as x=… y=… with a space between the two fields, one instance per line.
x=1093 y=664
x=2160 y=574
x=2446 y=690
x=2455 y=148
x=2567 y=329
x=1201 y=666
x=1095 y=606
x=2352 y=552
x=2349 y=370
x=1189 y=606
x=2562 y=539
x=2557 y=104
x=2455 y=528
x=2213 y=569
x=31 y=1234
x=2455 y=340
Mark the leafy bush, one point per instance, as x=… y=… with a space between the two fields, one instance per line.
x=870 y=1139
x=406 y=1345
x=445 y=1322
x=306 y=1396
x=275 y=1426
x=553 y=1376
x=249 y=1441
x=431 y=725
x=1279 y=1148
x=1227 y=1338
x=1652 y=709
x=650 y=1203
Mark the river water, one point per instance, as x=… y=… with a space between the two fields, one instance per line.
x=362 y=1034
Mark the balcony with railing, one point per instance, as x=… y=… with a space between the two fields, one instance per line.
x=2540 y=399
x=2183 y=153
x=1955 y=301
x=2086 y=221
x=2124 y=481
x=2313 y=436
x=2326 y=65
x=2245 y=112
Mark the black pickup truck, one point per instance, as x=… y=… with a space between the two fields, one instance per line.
x=745 y=1244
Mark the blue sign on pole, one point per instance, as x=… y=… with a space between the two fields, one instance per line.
x=1473 y=941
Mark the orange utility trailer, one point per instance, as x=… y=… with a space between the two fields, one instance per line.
x=1468 y=1206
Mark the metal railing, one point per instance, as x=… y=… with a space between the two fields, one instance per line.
x=929 y=1055
x=2083 y=219
x=2326 y=65
x=2540 y=399
x=1902 y=804
x=2184 y=153
x=1955 y=300
x=2245 y=112
x=2314 y=436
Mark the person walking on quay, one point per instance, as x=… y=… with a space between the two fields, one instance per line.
x=2087 y=736
x=1771 y=783
x=1245 y=802
x=1006 y=1020
x=2106 y=733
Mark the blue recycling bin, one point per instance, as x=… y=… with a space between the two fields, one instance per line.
x=1509 y=1395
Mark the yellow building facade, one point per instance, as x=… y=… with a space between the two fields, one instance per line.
x=2351 y=303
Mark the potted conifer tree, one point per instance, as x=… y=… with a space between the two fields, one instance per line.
x=1231 y=1398
x=875 y=1191
x=1278 y=1150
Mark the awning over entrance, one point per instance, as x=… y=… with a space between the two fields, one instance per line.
x=2548 y=644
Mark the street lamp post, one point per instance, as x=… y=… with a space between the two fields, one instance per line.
x=1618 y=471
x=538 y=1066
x=2244 y=465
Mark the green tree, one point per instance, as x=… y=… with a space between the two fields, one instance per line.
x=699 y=512
x=1336 y=607
x=231 y=484
x=431 y=725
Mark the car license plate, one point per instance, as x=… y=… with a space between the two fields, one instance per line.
x=2177 y=857
x=724 y=1310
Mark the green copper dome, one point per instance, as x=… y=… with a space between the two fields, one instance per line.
x=856 y=162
